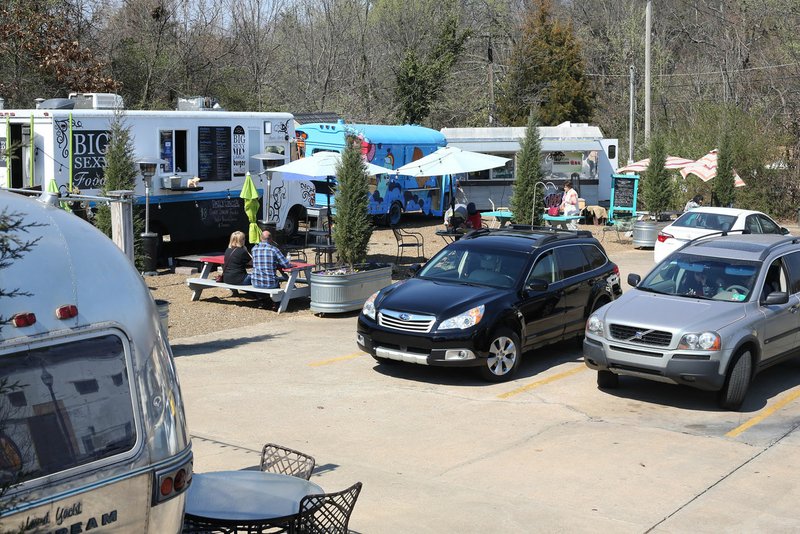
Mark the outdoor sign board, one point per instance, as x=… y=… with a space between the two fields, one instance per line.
x=624 y=190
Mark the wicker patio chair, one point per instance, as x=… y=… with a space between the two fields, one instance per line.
x=286 y=461
x=327 y=513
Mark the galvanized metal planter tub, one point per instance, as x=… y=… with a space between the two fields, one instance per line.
x=341 y=293
x=644 y=234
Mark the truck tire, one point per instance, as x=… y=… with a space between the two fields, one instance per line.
x=291 y=224
x=737 y=381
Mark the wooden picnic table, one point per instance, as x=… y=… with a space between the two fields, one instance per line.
x=283 y=295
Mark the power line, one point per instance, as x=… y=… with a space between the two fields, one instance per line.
x=713 y=72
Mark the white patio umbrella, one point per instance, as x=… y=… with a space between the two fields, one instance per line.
x=323 y=165
x=672 y=162
x=451 y=160
x=705 y=168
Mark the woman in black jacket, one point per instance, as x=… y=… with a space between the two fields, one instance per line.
x=234 y=270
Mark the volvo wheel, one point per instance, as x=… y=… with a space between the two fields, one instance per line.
x=737 y=381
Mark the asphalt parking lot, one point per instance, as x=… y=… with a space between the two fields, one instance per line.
x=439 y=450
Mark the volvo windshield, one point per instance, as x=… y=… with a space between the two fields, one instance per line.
x=703 y=277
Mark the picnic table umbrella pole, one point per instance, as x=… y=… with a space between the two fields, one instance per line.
x=328 y=196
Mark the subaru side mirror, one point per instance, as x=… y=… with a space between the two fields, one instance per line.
x=634 y=279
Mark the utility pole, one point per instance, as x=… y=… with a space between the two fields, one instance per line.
x=491 y=82
x=648 y=25
x=630 y=120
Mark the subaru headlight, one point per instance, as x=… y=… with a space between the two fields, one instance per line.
x=369 y=306
x=465 y=320
x=594 y=325
x=700 y=341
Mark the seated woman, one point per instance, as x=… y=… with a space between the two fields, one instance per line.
x=473 y=217
x=234 y=270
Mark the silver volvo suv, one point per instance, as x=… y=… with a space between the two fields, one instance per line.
x=710 y=316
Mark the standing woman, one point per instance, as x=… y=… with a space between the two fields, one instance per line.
x=234 y=270
x=569 y=204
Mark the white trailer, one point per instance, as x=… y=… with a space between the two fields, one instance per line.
x=66 y=140
x=570 y=151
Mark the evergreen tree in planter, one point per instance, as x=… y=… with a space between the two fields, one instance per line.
x=346 y=289
x=353 y=226
x=529 y=173
x=658 y=193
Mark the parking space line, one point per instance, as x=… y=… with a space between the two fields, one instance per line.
x=335 y=360
x=763 y=414
x=542 y=382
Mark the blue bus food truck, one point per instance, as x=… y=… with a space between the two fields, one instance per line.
x=390 y=147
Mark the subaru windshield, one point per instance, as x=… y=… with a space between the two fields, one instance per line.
x=694 y=276
x=495 y=268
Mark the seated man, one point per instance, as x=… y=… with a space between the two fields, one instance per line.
x=266 y=259
x=456 y=219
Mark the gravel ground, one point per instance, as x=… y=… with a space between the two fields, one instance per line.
x=218 y=310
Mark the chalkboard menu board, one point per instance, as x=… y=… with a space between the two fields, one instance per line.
x=623 y=195
x=623 y=192
x=214 y=152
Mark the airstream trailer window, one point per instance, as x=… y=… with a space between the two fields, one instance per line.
x=63 y=406
x=214 y=150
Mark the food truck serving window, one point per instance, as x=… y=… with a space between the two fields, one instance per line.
x=63 y=406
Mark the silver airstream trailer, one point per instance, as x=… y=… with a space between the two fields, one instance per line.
x=92 y=429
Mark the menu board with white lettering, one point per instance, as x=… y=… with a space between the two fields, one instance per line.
x=214 y=152
x=623 y=195
x=623 y=192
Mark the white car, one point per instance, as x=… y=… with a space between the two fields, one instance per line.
x=703 y=221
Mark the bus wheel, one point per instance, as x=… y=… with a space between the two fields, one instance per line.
x=394 y=215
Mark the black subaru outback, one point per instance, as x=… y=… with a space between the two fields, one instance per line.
x=487 y=298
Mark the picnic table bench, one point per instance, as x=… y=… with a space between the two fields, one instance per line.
x=295 y=287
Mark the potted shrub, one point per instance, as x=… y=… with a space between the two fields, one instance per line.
x=658 y=195
x=346 y=287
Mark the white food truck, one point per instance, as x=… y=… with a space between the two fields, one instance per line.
x=206 y=153
x=92 y=427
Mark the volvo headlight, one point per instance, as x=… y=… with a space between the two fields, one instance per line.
x=369 y=306
x=464 y=320
x=595 y=325
x=700 y=341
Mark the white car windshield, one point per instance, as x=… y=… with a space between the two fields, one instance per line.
x=702 y=277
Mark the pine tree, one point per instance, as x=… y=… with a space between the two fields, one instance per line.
x=528 y=174
x=547 y=72
x=724 y=186
x=658 y=191
x=353 y=226
x=420 y=80
x=120 y=170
